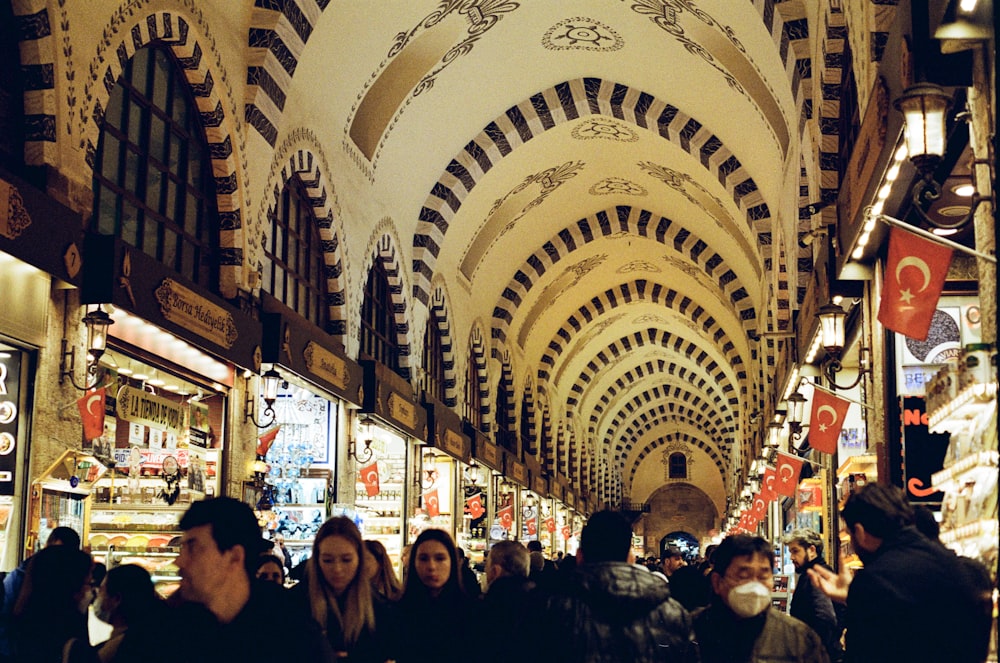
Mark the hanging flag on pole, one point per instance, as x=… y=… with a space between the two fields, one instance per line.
x=915 y=272
x=431 y=504
x=787 y=471
x=768 y=483
x=91 y=406
x=826 y=421
x=369 y=476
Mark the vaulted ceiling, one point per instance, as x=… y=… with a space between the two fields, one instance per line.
x=603 y=188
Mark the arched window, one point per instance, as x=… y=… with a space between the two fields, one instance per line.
x=678 y=466
x=293 y=267
x=153 y=183
x=504 y=435
x=378 y=322
x=433 y=361
x=473 y=397
x=527 y=439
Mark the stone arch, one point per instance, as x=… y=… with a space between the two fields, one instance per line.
x=562 y=103
x=477 y=352
x=438 y=310
x=177 y=33
x=528 y=407
x=309 y=164
x=383 y=250
x=676 y=436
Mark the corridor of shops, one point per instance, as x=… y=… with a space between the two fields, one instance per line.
x=492 y=267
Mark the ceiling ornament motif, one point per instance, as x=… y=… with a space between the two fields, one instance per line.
x=582 y=34
x=548 y=181
x=391 y=88
x=716 y=44
x=605 y=128
x=680 y=182
x=650 y=319
x=617 y=186
x=638 y=266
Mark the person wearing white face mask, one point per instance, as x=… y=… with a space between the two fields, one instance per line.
x=739 y=625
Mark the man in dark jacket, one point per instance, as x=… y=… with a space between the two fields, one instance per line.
x=911 y=601
x=505 y=603
x=740 y=625
x=609 y=610
x=809 y=604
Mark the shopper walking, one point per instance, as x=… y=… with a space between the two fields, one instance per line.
x=740 y=625
x=339 y=595
x=49 y=620
x=226 y=615
x=608 y=609
x=809 y=604
x=127 y=600
x=379 y=571
x=911 y=601
x=436 y=615
x=507 y=600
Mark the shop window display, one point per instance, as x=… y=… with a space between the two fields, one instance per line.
x=379 y=489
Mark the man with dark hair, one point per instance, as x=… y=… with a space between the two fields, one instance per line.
x=911 y=601
x=740 y=623
x=672 y=560
x=805 y=547
x=610 y=610
x=505 y=603
x=219 y=547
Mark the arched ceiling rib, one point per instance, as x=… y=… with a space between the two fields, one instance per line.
x=596 y=189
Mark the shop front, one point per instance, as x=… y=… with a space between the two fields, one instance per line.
x=536 y=507
x=491 y=507
x=302 y=430
x=514 y=483
x=445 y=466
x=158 y=411
x=388 y=435
x=38 y=248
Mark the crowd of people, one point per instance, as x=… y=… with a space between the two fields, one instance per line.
x=913 y=601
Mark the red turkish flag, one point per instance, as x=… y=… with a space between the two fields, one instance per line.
x=759 y=507
x=787 y=473
x=431 y=504
x=566 y=532
x=767 y=485
x=369 y=476
x=825 y=420
x=915 y=272
x=550 y=525
x=475 y=506
x=265 y=441
x=531 y=525
x=743 y=520
x=752 y=522
x=506 y=516
x=91 y=406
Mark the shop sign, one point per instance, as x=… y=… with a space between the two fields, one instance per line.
x=539 y=485
x=402 y=410
x=517 y=471
x=187 y=309
x=153 y=458
x=570 y=500
x=489 y=453
x=141 y=407
x=453 y=443
x=923 y=452
x=10 y=380
x=324 y=364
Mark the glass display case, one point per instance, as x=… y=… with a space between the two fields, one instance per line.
x=380 y=491
x=160 y=562
x=61 y=497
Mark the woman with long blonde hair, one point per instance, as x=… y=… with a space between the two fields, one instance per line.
x=340 y=596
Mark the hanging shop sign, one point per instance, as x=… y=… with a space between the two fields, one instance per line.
x=117 y=273
x=570 y=499
x=556 y=490
x=445 y=429
x=539 y=485
x=484 y=450
x=307 y=350
x=391 y=398
x=139 y=406
x=923 y=452
x=515 y=470
x=38 y=230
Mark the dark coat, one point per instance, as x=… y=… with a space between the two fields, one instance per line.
x=911 y=602
x=371 y=646
x=815 y=608
x=438 y=630
x=503 y=609
x=610 y=611
x=770 y=637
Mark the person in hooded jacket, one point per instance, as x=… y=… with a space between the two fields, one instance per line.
x=609 y=610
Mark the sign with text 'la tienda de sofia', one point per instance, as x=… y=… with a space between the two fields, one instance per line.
x=923 y=452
